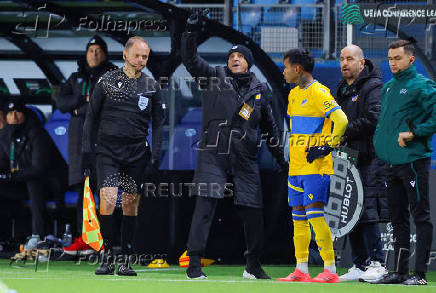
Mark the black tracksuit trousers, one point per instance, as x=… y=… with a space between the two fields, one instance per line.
x=253 y=223
x=408 y=193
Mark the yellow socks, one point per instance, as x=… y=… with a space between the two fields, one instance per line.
x=302 y=237
x=323 y=236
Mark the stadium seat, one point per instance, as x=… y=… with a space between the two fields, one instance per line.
x=433 y=156
x=58 y=115
x=186 y=134
x=265 y=2
x=193 y=116
x=329 y=74
x=306 y=13
x=38 y=113
x=57 y=127
x=387 y=74
x=71 y=198
x=280 y=16
x=250 y=17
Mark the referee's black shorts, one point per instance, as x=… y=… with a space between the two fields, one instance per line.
x=124 y=168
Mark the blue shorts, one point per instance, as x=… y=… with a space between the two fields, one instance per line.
x=306 y=189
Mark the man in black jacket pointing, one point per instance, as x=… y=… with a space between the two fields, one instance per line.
x=235 y=106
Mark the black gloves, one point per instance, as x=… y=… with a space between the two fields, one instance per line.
x=5 y=177
x=193 y=24
x=317 y=152
x=87 y=164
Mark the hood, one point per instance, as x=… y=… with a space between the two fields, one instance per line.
x=369 y=71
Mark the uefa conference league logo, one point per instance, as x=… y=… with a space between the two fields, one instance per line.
x=351 y=14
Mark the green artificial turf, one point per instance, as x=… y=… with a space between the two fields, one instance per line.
x=66 y=277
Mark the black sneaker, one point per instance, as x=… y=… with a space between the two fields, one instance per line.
x=255 y=273
x=105 y=269
x=415 y=280
x=392 y=278
x=195 y=273
x=194 y=270
x=125 y=270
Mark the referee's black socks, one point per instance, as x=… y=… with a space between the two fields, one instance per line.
x=128 y=226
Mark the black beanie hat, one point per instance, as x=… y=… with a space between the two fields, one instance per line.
x=96 y=40
x=16 y=105
x=244 y=51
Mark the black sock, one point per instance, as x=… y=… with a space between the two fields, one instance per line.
x=107 y=223
x=128 y=226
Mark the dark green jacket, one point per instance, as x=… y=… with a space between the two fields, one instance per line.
x=407 y=96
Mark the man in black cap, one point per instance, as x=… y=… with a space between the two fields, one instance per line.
x=33 y=161
x=74 y=98
x=235 y=105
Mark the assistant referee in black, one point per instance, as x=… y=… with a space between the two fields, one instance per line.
x=121 y=107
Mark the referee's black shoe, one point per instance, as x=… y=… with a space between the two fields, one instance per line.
x=416 y=279
x=195 y=274
x=194 y=270
x=392 y=278
x=105 y=269
x=124 y=269
x=255 y=273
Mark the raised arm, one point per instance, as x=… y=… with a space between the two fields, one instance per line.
x=195 y=65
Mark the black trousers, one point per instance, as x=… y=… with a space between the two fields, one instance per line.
x=408 y=190
x=253 y=223
x=366 y=244
x=37 y=190
x=79 y=207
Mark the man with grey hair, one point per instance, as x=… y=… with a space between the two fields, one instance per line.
x=121 y=107
x=359 y=95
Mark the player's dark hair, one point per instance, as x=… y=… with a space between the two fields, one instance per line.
x=406 y=44
x=301 y=57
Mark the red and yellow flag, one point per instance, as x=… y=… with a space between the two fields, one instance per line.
x=91 y=227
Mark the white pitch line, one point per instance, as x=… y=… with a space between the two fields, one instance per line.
x=159 y=270
x=205 y=281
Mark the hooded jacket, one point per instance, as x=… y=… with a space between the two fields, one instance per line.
x=409 y=99
x=360 y=101
x=72 y=98
x=30 y=152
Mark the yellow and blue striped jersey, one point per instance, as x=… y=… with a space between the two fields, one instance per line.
x=309 y=110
